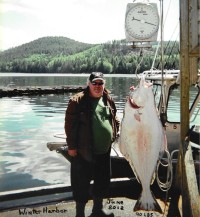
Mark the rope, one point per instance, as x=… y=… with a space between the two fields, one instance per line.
x=139 y=64
x=167 y=11
x=152 y=66
x=165 y=66
x=162 y=27
x=165 y=186
x=162 y=53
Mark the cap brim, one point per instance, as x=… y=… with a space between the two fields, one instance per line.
x=95 y=79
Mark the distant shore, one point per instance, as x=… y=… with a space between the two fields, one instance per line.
x=23 y=74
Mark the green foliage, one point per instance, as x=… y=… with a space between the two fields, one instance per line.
x=64 y=55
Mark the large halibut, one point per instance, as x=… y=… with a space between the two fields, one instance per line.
x=142 y=140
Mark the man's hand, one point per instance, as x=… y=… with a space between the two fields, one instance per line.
x=72 y=152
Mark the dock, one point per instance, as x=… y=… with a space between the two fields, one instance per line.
x=39 y=90
x=120 y=200
x=121 y=207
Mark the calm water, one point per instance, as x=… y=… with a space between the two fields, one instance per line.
x=28 y=123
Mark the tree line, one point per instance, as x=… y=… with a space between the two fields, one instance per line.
x=63 y=55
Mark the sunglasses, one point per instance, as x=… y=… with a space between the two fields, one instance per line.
x=97 y=83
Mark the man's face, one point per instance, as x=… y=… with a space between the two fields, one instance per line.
x=96 y=88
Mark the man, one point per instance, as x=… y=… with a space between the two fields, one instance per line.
x=91 y=126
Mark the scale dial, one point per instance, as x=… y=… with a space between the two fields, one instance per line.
x=142 y=21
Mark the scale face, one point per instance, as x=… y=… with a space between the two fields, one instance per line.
x=141 y=22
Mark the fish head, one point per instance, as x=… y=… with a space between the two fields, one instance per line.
x=139 y=96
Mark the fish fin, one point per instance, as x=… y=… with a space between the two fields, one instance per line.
x=163 y=147
x=150 y=205
x=153 y=178
x=136 y=175
x=162 y=151
x=126 y=156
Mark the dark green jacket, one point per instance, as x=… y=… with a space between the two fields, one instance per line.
x=78 y=122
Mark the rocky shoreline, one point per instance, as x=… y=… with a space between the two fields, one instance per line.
x=28 y=91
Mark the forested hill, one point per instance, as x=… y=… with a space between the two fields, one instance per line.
x=50 y=46
x=64 y=55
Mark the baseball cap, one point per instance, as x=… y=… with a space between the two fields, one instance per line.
x=96 y=76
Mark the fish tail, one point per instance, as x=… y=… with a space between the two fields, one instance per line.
x=148 y=203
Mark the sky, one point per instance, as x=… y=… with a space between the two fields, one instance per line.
x=88 y=21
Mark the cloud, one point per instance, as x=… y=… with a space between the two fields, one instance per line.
x=90 y=21
x=87 y=21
